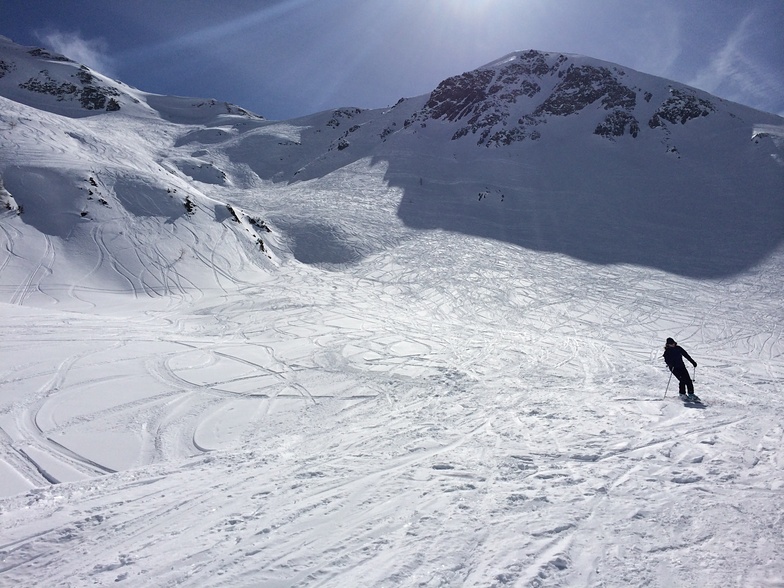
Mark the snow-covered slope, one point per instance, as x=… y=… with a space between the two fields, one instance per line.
x=417 y=346
x=100 y=204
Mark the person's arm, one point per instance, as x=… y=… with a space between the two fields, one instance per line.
x=687 y=356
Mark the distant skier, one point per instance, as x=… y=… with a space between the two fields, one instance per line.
x=673 y=357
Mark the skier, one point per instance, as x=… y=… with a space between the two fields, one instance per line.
x=673 y=357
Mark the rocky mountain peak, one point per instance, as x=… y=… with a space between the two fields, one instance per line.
x=509 y=100
x=39 y=77
x=46 y=80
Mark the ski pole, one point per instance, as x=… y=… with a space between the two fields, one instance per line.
x=668 y=385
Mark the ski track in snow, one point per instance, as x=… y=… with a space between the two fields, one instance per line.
x=393 y=425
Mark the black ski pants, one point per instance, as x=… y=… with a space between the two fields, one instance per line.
x=684 y=379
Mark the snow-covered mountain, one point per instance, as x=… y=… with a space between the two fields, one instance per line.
x=52 y=82
x=572 y=155
x=414 y=346
x=547 y=151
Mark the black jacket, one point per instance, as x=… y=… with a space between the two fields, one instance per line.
x=673 y=357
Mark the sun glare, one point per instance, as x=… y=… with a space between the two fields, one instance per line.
x=468 y=8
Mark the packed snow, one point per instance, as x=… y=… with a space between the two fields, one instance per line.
x=229 y=373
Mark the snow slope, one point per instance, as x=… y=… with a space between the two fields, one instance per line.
x=289 y=353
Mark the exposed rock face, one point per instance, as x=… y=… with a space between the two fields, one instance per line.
x=461 y=96
x=505 y=102
x=5 y=67
x=617 y=124
x=680 y=108
x=38 y=71
x=91 y=94
x=48 y=55
x=582 y=86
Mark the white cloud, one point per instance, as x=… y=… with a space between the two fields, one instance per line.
x=735 y=73
x=90 y=52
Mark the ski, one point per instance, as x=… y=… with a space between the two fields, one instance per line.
x=688 y=399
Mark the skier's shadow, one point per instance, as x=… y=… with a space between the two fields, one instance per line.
x=698 y=405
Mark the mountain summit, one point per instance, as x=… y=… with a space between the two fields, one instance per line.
x=54 y=83
x=508 y=100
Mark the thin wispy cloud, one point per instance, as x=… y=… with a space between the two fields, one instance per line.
x=653 y=48
x=93 y=53
x=737 y=73
x=220 y=32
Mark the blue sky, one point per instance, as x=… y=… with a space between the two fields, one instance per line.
x=287 y=58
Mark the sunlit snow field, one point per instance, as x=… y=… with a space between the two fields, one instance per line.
x=449 y=411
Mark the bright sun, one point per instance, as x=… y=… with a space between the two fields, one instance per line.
x=469 y=8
